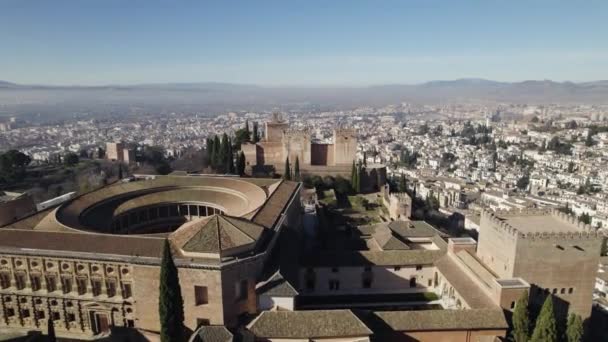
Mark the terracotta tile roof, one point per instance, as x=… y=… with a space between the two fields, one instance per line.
x=425 y=320
x=466 y=287
x=212 y=333
x=217 y=234
x=308 y=324
x=380 y=258
x=83 y=243
x=277 y=286
x=270 y=212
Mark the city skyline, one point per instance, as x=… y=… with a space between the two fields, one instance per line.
x=312 y=44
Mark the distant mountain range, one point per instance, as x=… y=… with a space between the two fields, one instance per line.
x=217 y=97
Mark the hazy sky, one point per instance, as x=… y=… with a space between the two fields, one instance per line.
x=293 y=42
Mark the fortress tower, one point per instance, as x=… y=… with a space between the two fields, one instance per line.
x=345 y=146
x=552 y=251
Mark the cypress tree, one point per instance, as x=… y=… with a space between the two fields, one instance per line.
x=521 y=319
x=353 y=175
x=255 y=136
x=230 y=162
x=51 y=331
x=209 y=149
x=247 y=128
x=119 y=171
x=546 y=325
x=358 y=181
x=170 y=302
x=240 y=164
x=217 y=151
x=574 y=331
x=287 y=171
x=296 y=170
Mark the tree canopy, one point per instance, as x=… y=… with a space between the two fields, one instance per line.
x=521 y=319
x=12 y=166
x=546 y=325
x=170 y=303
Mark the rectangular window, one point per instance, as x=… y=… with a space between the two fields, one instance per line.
x=51 y=283
x=200 y=295
x=71 y=317
x=56 y=316
x=201 y=321
x=66 y=284
x=397 y=268
x=418 y=267
x=570 y=290
x=335 y=270
x=81 y=283
x=242 y=289
x=430 y=282
x=25 y=313
x=36 y=282
x=96 y=286
x=334 y=285
x=9 y=312
x=367 y=282
x=40 y=314
x=126 y=290
x=111 y=287
x=20 y=280
x=5 y=280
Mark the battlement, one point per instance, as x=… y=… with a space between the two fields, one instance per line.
x=293 y=133
x=400 y=197
x=540 y=224
x=345 y=132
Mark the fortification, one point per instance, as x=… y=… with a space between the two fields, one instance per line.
x=552 y=251
x=281 y=142
x=345 y=145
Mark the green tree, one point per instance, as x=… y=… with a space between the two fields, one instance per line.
x=589 y=140
x=171 y=304
x=357 y=185
x=50 y=333
x=402 y=184
x=546 y=325
x=521 y=319
x=70 y=159
x=216 y=161
x=240 y=164
x=296 y=170
x=12 y=166
x=287 y=171
x=353 y=175
x=585 y=218
x=523 y=182
x=574 y=331
x=210 y=151
x=256 y=133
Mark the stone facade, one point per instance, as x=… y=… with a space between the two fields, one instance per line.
x=88 y=283
x=280 y=143
x=14 y=206
x=561 y=263
x=82 y=297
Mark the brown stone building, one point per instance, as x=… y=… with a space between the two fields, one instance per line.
x=280 y=142
x=93 y=262
x=552 y=251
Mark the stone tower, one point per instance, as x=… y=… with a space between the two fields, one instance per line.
x=345 y=146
